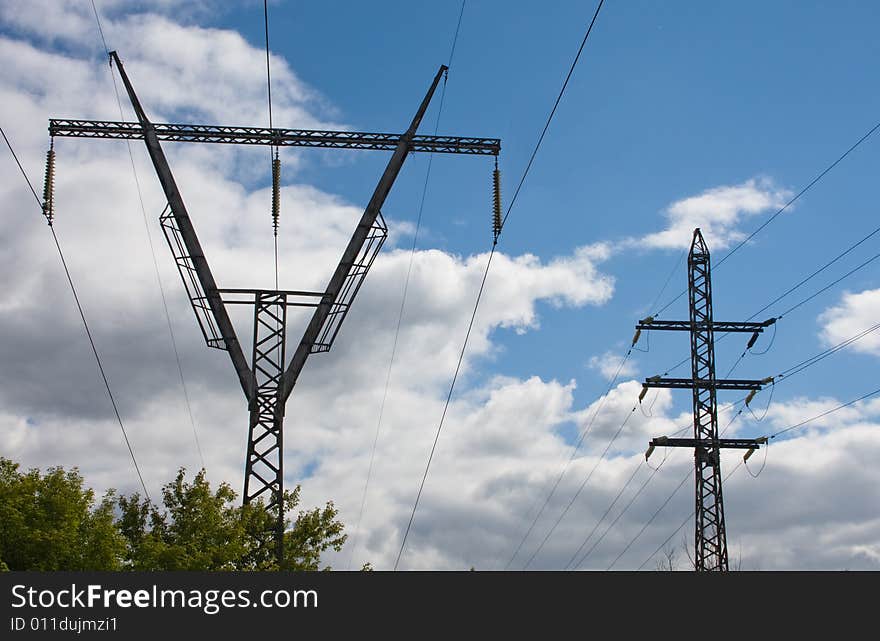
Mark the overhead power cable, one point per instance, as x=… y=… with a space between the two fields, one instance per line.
x=161 y=286
x=801 y=367
x=787 y=429
x=642 y=463
x=683 y=523
x=814 y=274
x=85 y=323
x=782 y=209
x=580 y=489
x=826 y=413
x=791 y=289
x=784 y=375
x=403 y=297
x=486 y=273
x=571 y=458
x=666 y=502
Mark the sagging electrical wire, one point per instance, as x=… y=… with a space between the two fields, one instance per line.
x=486 y=273
x=579 y=490
x=85 y=323
x=159 y=283
x=666 y=502
x=403 y=298
x=566 y=465
x=685 y=522
x=783 y=208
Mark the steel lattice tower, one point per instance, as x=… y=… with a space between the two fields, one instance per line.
x=268 y=380
x=710 y=536
x=710 y=542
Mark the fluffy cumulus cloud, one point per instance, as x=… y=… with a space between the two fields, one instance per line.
x=718 y=212
x=611 y=365
x=854 y=314
x=505 y=439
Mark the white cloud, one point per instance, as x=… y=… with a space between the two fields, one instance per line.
x=855 y=313
x=609 y=364
x=504 y=438
x=99 y=223
x=718 y=212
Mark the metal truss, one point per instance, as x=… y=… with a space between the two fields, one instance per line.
x=115 y=129
x=718 y=326
x=268 y=379
x=264 y=467
x=710 y=536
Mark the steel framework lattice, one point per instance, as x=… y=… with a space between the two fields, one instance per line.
x=710 y=536
x=268 y=380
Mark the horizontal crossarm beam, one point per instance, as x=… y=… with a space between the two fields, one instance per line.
x=688 y=383
x=738 y=443
x=276 y=137
x=718 y=326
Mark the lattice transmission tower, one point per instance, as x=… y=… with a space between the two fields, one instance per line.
x=710 y=534
x=268 y=379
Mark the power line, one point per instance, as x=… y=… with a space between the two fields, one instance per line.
x=580 y=489
x=632 y=500
x=404 y=295
x=678 y=529
x=809 y=362
x=85 y=323
x=829 y=285
x=782 y=209
x=665 y=503
x=783 y=376
x=565 y=466
x=552 y=113
x=445 y=409
x=486 y=273
x=153 y=254
x=607 y=511
x=815 y=273
x=788 y=429
x=826 y=413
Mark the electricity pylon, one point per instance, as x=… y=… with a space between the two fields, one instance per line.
x=710 y=535
x=267 y=381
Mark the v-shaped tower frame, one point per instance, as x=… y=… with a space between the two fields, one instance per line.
x=268 y=380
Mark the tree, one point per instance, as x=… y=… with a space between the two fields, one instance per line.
x=669 y=562
x=51 y=522
x=198 y=529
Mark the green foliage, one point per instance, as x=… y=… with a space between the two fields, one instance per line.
x=198 y=529
x=52 y=523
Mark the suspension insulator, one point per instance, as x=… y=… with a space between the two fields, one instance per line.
x=751 y=396
x=496 y=202
x=49 y=185
x=276 y=192
x=636 y=337
x=752 y=340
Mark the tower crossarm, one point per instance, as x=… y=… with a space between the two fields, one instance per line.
x=722 y=384
x=176 y=132
x=736 y=443
x=718 y=326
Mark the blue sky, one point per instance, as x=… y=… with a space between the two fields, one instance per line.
x=677 y=114
x=669 y=99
